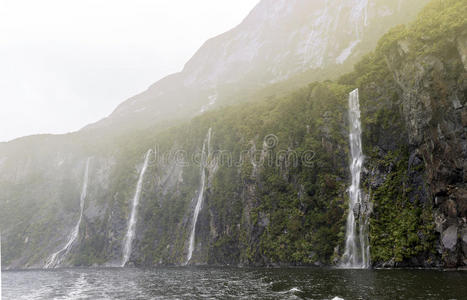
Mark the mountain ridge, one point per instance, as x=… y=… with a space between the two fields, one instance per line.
x=254 y=54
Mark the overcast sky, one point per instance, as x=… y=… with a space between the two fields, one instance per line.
x=68 y=63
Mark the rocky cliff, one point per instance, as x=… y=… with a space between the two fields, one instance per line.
x=414 y=103
x=277 y=169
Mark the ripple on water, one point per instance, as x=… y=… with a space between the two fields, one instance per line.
x=212 y=283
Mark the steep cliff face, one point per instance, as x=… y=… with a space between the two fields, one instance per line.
x=40 y=206
x=414 y=95
x=433 y=102
x=277 y=173
x=265 y=202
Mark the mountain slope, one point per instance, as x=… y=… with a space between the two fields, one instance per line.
x=278 y=40
x=290 y=212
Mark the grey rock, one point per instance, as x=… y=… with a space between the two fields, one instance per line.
x=449 y=238
x=456 y=102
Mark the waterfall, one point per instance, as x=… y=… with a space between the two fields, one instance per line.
x=356 y=253
x=199 y=203
x=130 y=234
x=58 y=256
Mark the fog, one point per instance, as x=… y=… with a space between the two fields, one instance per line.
x=65 y=64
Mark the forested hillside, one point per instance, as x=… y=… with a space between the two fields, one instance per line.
x=276 y=170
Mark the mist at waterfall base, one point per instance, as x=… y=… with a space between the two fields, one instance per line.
x=227 y=283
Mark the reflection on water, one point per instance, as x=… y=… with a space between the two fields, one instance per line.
x=227 y=283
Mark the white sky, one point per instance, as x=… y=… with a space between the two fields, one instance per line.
x=68 y=63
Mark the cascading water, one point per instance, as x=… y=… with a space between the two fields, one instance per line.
x=130 y=234
x=199 y=203
x=58 y=256
x=357 y=248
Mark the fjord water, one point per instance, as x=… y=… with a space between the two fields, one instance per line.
x=57 y=257
x=130 y=234
x=232 y=283
x=357 y=250
x=199 y=203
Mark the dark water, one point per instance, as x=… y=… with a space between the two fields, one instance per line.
x=230 y=283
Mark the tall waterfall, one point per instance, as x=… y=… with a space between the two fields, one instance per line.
x=199 y=203
x=58 y=256
x=357 y=250
x=130 y=234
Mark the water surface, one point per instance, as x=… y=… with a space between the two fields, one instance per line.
x=233 y=283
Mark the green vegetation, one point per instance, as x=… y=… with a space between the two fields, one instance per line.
x=401 y=227
x=288 y=212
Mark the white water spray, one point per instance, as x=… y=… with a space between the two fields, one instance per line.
x=199 y=203
x=130 y=234
x=356 y=253
x=58 y=256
